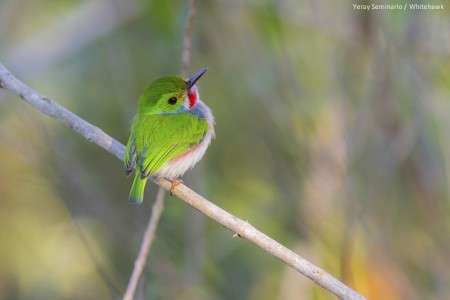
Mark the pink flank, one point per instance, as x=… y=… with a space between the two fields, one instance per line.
x=184 y=154
x=177 y=166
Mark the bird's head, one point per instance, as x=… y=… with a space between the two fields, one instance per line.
x=170 y=94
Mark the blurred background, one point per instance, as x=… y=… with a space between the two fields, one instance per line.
x=333 y=137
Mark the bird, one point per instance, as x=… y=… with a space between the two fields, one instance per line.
x=170 y=132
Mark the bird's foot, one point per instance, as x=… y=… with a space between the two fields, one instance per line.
x=175 y=183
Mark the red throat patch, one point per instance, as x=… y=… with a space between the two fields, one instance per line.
x=192 y=97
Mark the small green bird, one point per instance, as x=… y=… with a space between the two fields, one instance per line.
x=170 y=132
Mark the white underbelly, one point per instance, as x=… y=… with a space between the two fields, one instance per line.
x=180 y=164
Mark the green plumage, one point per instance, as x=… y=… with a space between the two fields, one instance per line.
x=137 y=190
x=160 y=132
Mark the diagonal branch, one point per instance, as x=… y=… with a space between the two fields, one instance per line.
x=159 y=203
x=241 y=228
x=56 y=111
x=149 y=236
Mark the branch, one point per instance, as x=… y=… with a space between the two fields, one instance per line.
x=158 y=206
x=187 y=42
x=149 y=235
x=58 y=112
x=240 y=228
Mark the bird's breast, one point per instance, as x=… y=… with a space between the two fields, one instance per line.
x=186 y=160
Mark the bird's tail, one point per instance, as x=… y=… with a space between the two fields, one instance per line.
x=137 y=190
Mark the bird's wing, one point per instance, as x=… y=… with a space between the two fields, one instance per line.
x=160 y=138
x=130 y=156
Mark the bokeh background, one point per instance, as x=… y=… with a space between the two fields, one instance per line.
x=333 y=137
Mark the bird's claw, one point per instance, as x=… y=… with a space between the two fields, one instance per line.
x=175 y=183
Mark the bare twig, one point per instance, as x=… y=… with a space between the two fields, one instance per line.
x=187 y=42
x=61 y=114
x=149 y=235
x=242 y=228
x=158 y=206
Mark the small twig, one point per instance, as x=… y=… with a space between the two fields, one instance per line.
x=246 y=231
x=58 y=112
x=187 y=42
x=149 y=236
x=97 y=136
x=158 y=206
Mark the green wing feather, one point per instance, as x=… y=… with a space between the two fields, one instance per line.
x=157 y=139
x=160 y=138
x=137 y=190
x=130 y=157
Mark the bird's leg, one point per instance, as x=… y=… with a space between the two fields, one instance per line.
x=175 y=183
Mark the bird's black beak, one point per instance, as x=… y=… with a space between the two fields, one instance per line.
x=191 y=81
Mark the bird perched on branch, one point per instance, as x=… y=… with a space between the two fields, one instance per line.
x=170 y=132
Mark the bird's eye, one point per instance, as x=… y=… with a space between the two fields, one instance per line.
x=172 y=100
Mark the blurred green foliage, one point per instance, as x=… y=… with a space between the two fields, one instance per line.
x=332 y=138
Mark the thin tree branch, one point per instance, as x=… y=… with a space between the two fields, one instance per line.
x=52 y=109
x=149 y=236
x=187 y=42
x=158 y=206
x=241 y=228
